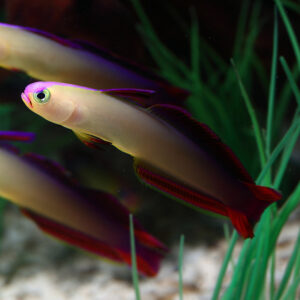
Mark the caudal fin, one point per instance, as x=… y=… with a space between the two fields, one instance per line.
x=262 y=198
x=241 y=223
x=244 y=220
x=263 y=193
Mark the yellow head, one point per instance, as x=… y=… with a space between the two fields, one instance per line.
x=49 y=100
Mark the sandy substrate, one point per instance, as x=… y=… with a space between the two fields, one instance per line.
x=35 y=267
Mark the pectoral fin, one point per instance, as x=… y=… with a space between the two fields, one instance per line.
x=90 y=140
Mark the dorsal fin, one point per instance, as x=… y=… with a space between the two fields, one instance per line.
x=177 y=94
x=136 y=96
x=203 y=136
x=91 y=140
x=10 y=148
x=53 y=37
x=19 y=136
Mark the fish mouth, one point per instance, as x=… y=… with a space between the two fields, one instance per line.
x=26 y=100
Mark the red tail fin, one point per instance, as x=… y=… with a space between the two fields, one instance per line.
x=261 y=198
x=263 y=193
x=241 y=223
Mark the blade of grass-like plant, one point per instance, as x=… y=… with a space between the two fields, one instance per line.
x=272 y=86
x=195 y=49
x=245 y=55
x=284 y=99
x=167 y=69
x=211 y=112
x=289 y=269
x=292 y=290
x=289 y=134
x=205 y=47
x=235 y=288
x=260 y=72
x=225 y=263
x=247 y=260
x=239 y=36
x=257 y=132
x=180 y=265
x=254 y=25
x=256 y=256
x=292 y=202
x=296 y=275
x=135 y=277
x=285 y=158
x=272 y=275
x=256 y=280
x=291 y=80
x=290 y=30
x=292 y=5
x=150 y=33
x=241 y=28
x=228 y=239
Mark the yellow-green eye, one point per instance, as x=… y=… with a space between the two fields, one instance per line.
x=42 y=96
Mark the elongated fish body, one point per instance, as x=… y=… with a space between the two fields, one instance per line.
x=166 y=157
x=90 y=219
x=47 y=57
x=50 y=199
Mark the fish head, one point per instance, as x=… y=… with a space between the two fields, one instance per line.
x=47 y=100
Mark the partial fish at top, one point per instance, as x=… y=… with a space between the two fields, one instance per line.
x=48 y=57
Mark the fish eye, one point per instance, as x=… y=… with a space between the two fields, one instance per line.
x=42 y=96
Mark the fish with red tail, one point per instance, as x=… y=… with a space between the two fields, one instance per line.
x=172 y=152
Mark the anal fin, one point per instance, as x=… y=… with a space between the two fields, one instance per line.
x=239 y=220
x=148 y=259
x=72 y=236
x=91 y=141
x=241 y=223
x=179 y=190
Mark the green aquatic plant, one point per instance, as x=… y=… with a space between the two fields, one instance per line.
x=257 y=256
x=217 y=100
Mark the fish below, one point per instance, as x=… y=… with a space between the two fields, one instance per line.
x=90 y=219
